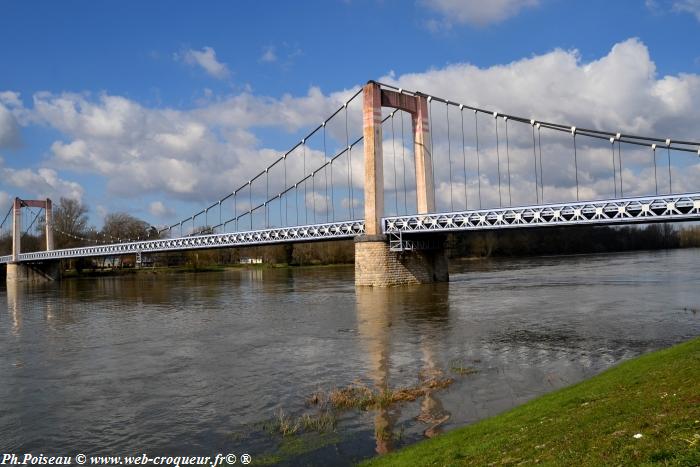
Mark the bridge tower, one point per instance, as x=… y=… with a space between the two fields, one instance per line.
x=34 y=272
x=376 y=262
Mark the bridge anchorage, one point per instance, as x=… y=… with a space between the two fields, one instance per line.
x=459 y=178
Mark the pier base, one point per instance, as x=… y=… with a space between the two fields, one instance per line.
x=377 y=266
x=33 y=273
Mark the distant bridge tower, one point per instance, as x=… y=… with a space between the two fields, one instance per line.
x=377 y=263
x=17 y=223
x=25 y=272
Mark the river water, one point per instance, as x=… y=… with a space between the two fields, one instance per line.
x=193 y=364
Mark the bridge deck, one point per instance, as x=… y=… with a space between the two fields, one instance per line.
x=682 y=207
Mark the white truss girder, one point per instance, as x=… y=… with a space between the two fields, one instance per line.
x=305 y=233
x=616 y=211
x=685 y=207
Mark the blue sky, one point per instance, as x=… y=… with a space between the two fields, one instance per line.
x=135 y=71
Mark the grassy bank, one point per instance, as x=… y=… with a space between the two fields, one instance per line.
x=642 y=412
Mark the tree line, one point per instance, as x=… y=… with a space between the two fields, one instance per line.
x=72 y=229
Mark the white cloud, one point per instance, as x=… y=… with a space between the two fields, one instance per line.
x=198 y=154
x=4 y=203
x=688 y=6
x=477 y=12
x=9 y=129
x=201 y=154
x=160 y=210
x=269 y=55
x=618 y=92
x=659 y=7
x=205 y=58
x=42 y=183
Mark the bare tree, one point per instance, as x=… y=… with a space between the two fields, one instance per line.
x=70 y=223
x=121 y=226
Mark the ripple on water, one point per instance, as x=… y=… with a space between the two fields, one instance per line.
x=177 y=364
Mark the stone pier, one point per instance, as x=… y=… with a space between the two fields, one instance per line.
x=375 y=264
x=33 y=272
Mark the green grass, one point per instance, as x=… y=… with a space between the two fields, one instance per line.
x=592 y=423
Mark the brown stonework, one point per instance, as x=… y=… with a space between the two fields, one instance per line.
x=33 y=273
x=377 y=266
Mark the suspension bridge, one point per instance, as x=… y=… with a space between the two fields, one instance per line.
x=397 y=170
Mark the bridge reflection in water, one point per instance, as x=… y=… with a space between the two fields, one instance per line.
x=380 y=311
x=168 y=364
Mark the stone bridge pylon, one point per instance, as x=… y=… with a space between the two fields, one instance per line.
x=31 y=272
x=379 y=261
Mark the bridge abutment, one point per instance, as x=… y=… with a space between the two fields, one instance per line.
x=33 y=273
x=377 y=266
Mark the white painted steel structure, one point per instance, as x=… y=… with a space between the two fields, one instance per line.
x=305 y=233
x=615 y=211
x=666 y=208
x=404 y=230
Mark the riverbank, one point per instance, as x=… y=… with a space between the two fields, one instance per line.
x=164 y=270
x=643 y=411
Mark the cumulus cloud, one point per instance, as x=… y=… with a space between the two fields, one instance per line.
x=206 y=59
x=40 y=183
x=618 y=92
x=477 y=12
x=203 y=153
x=197 y=154
x=9 y=129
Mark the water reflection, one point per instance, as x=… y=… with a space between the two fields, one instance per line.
x=174 y=364
x=381 y=313
x=14 y=309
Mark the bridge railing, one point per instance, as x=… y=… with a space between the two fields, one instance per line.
x=305 y=233
x=486 y=158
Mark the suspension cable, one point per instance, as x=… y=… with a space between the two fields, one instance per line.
x=403 y=165
x=313 y=193
x=332 y=193
x=26 y=231
x=7 y=215
x=573 y=132
x=306 y=211
x=561 y=127
x=619 y=160
x=393 y=150
x=449 y=153
x=432 y=152
x=510 y=196
x=464 y=159
x=478 y=164
x=286 y=199
x=295 y=186
x=325 y=171
x=539 y=145
x=351 y=195
x=267 y=196
x=498 y=161
x=534 y=160
x=668 y=152
x=656 y=182
x=612 y=145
